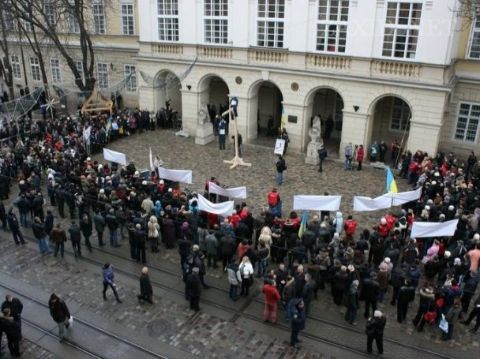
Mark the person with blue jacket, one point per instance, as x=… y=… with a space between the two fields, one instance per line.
x=108 y=276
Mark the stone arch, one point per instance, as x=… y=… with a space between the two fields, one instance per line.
x=167 y=86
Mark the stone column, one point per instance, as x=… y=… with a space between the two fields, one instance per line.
x=355 y=129
x=424 y=137
x=190 y=107
x=146 y=98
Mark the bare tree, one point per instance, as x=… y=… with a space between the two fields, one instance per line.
x=469 y=9
x=54 y=19
x=5 y=64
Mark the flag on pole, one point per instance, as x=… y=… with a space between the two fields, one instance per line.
x=150 y=158
x=284 y=119
x=391 y=184
x=303 y=224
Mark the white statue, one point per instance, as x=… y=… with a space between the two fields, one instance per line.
x=203 y=115
x=316 y=142
x=204 y=130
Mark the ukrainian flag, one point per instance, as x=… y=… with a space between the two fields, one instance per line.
x=391 y=184
x=303 y=224
x=283 y=121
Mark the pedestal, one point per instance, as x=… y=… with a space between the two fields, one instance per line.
x=204 y=134
x=311 y=157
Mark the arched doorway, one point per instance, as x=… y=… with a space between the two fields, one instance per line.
x=327 y=104
x=265 y=112
x=390 y=122
x=213 y=92
x=168 y=88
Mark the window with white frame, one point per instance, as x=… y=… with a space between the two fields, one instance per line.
x=270 y=23
x=16 y=70
x=55 y=68
x=8 y=18
x=467 y=122
x=400 y=115
x=72 y=22
x=79 y=66
x=102 y=75
x=216 y=21
x=131 y=78
x=474 y=52
x=35 y=68
x=50 y=13
x=98 y=10
x=332 y=25
x=168 y=20
x=402 y=26
x=128 y=23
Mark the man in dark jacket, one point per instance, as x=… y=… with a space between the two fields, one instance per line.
x=374 y=331
x=184 y=248
x=99 y=222
x=76 y=237
x=370 y=293
x=146 y=290
x=112 y=224
x=15 y=227
x=38 y=229
x=193 y=289
x=15 y=306
x=60 y=314
x=58 y=237
x=406 y=294
x=297 y=320
x=140 y=238
x=11 y=329
x=23 y=208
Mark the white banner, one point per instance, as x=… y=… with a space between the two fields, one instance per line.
x=114 y=156
x=365 y=204
x=237 y=192
x=184 y=176
x=223 y=209
x=404 y=197
x=317 y=203
x=150 y=159
x=434 y=229
x=279 y=146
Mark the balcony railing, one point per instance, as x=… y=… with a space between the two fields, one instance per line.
x=328 y=61
x=268 y=56
x=173 y=49
x=214 y=52
x=395 y=68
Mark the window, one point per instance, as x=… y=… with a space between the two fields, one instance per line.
x=79 y=66
x=168 y=20
x=216 y=21
x=98 y=17
x=332 y=25
x=102 y=75
x=27 y=25
x=72 y=22
x=55 y=67
x=270 y=23
x=131 y=78
x=400 y=115
x=35 y=68
x=467 y=122
x=401 y=29
x=475 y=40
x=128 y=19
x=16 y=70
x=8 y=18
x=50 y=13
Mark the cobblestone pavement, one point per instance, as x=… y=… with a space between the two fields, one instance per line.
x=213 y=332
x=29 y=350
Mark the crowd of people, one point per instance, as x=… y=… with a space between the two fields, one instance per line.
x=356 y=262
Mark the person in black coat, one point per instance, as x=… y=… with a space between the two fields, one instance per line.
x=76 y=237
x=297 y=320
x=374 y=331
x=193 y=289
x=3 y=216
x=59 y=313
x=370 y=293
x=15 y=306
x=406 y=294
x=15 y=227
x=140 y=239
x=11 y=329
x=146 y=290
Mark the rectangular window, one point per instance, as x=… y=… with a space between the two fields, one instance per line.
x=102 y=75
x=27 y=25
x=475 y=40
x=55 y=67
x=216 y=21
x=131 y=78
x=79 y=66
x=332 y=25
x=128 y=19
x=50 y=13
x=402 y=29
x=72 y=22
x=8 y=18
x=35 y=68
x=467 y=122
x=98 y=17
x=168 y=20
x=400 y=115
x=16 y=69
x=270 y=23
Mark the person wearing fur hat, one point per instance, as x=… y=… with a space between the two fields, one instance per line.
x=374 y=330
x=427 y=298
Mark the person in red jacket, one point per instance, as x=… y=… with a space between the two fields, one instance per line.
x=360 y=157
x=350 y=227
x=271 y=299
x=383 y=228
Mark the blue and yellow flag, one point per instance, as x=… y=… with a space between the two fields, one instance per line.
x=391 y=184
x=283 y=119
x=303 y=224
